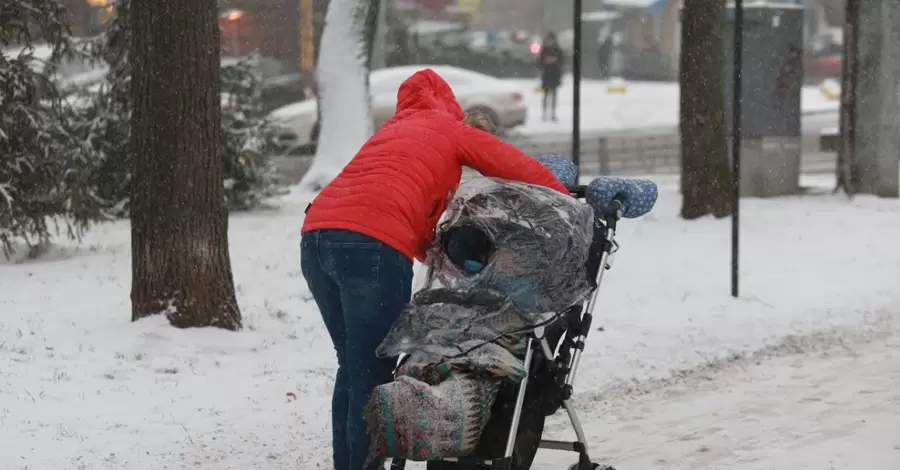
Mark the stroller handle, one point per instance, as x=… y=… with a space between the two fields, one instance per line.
x=578 y=192
x=613 y=208
x=636 y=197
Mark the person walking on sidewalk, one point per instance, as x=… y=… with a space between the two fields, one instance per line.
x=550 y=60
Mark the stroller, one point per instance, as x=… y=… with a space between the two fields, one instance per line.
x=575 y=237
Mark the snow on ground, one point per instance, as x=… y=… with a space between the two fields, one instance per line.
x=645 y=105
x=83 y=387
x=832 y=409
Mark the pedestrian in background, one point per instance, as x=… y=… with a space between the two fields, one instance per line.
x=550 y=60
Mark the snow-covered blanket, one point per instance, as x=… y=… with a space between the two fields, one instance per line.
x=433 y=411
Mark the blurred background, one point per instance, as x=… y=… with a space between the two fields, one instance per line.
x=497 y=37
x=490 y=49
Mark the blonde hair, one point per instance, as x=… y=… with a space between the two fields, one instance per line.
x=479 y=120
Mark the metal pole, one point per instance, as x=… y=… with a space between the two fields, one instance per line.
x=576 y=90
x=738 y=44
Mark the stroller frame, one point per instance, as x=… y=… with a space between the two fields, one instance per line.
x=562 y=367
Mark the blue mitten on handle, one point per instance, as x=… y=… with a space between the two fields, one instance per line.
x=561 y=167
x=636 y=195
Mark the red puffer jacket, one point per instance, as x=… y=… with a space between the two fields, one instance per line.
x=396 y=188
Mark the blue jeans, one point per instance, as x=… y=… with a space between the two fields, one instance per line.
x=360 y=286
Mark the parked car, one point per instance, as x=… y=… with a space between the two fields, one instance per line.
x=823 y=55
x=502 y=102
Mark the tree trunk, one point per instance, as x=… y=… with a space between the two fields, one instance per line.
x=371 y=13
x=343 y=78
x=705 y=175
x=848 y=177
x=872 y=141
x=377 y=56
x=179 y=224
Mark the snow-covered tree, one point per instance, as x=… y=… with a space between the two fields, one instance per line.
x=343 y=82
x=248 y=139
x=45 y=183
x=106 y=118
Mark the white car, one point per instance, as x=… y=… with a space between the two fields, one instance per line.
x=503 y=102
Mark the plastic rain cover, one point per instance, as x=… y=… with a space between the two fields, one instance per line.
x=507 y=257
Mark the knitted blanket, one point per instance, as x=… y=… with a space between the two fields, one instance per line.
x=433 y=411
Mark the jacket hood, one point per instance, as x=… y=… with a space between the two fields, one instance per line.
x=426 y=90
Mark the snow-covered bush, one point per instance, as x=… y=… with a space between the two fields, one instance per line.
x=249 y=140
x=45 y=184
x=104 y=114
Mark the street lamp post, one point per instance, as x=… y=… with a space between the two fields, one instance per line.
x=736 y=143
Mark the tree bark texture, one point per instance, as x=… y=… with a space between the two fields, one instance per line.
x=705 y=174
x=179 y=223
x=876 y=141
x=848 y=177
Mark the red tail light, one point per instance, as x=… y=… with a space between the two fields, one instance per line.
x=516 y=97
x=535 y=48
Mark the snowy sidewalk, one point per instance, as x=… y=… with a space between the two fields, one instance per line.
x=836 y=409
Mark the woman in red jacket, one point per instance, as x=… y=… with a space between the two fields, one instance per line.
x=363 y=230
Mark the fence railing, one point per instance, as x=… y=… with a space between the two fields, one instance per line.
x=649 y=152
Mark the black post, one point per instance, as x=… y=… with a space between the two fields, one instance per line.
x=576 y=90
x=736 y=142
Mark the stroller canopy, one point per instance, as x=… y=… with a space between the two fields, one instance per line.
x=524 y=242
